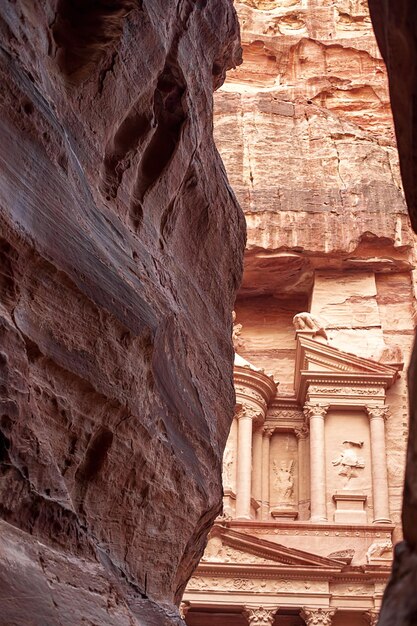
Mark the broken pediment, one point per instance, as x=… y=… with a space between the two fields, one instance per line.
x=229 y=547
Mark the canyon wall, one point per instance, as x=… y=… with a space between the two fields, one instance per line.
x=395 y=26
x=121 y=251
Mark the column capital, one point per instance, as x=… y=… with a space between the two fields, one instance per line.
x=372 y=617
x=317 y=617
x=260 y=615
x=268 y=431
x=184 y=608
x=246 y=411
x=315 y=409
x=377 y=412
x=301 y=432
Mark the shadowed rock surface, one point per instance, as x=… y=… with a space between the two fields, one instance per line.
x=121 y=250
x=395 y=24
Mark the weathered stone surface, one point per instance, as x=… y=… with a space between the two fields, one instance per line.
x=305 y=131
x=121 y=246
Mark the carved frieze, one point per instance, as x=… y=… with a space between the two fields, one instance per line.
x=214 y=583
x=346 y=391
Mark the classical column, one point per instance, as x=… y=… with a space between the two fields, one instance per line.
x=244 y=463
x=266 y=441
x=317 y=617
x=257 y=465
x=316 y=413
x=260 y=616
x=301 y=432
x=372 y=617
x=377 y=416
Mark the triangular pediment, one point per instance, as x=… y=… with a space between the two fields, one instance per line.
x=229 y=547
x=315 y=357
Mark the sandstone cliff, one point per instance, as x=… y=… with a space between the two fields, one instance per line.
x=121 y=246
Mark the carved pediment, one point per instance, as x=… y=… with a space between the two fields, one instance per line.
x=317 y=362
x=229 y=547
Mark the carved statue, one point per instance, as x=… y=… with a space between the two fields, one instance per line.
x=284 y=480
x=379 y=549
x=349 y=461
x=307 y=321
x=228 y=459
x=236 y=332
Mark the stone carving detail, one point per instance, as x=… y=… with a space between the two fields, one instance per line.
x=184 y=608
x=347 y=391
x=379 y=550
x=246 y=410
x=260 y=615
x=284 y=481
x=372 y=617
x=217 y=552
x=348 y=461
x=377 y=412
x=312 y=409
x=268 y=431
x=255 y=585
x=228 y=461
x=343 y=555
x=318 y=617
x=301 y=432
x=307 y=321
x=236 y=332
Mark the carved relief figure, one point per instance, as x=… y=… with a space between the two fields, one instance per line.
x=349 y=461
x=236 y=332
x=228 y=459
x=284 y=480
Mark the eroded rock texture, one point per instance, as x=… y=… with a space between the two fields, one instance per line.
x=120 y=249
x=305 y=131
x=395 y=26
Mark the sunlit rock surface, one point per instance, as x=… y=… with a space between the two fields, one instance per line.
x=121 y=248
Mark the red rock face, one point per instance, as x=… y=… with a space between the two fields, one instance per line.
x=121 y=246
x=395 y=26
x=305 y=131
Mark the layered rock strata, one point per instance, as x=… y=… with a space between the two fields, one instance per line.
x=121 y=247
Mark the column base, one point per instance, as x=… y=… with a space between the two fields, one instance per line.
x=316 y=519
x=382 y=520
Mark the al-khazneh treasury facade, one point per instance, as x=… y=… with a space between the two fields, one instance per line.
x=313 y=467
